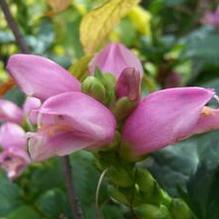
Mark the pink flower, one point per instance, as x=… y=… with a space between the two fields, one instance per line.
x=69 y=122
x=168 y=116
x=14 y=158
x=114 y=58
x=40 y=77
x=10 y=111
x=211 y=18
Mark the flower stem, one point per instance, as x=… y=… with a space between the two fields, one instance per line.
x=72 y=196
x=13 y=26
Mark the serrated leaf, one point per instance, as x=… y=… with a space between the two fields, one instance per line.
x=98 y=23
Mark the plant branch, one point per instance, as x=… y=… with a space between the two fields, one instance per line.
x=13 y=26
x=72 y=196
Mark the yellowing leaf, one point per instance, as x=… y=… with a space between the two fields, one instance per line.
x=98 y=23
x=58 y=5
x=141 y=20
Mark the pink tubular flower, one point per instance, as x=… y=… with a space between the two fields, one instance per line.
x=14 y=158
x=10 y=111
x=114 y=58
x=69 y=122
x=40 y=77
x=168 y=116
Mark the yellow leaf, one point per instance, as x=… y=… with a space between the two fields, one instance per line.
x=58 y=5
x=98 y=23
x=141 y=20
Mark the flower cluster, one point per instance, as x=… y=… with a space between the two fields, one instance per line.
x=71 y=115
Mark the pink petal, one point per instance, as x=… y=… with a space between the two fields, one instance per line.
x=14 y=158
x=81 y=123
x=208 y=120
x=14 y=161
x=12 y=135
x=10 y=111
x=128 y=84
x=31 y=107
x=40 y=77
x=114 y=58
x=164 y=117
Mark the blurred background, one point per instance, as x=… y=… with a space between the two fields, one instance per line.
x=178 y=44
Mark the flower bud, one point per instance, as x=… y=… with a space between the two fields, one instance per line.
x=118 y=195
x=180 y=210
x=152 y=212
x=113 y=59
x=128 y=84
x=120 y=177
x=92 y=86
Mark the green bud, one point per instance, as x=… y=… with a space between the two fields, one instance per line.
x=117 y=195
x=120 y=177
x=151 y=191
x=145 y=181
x=94 y=88
x=180 y=210
x=148 y=211
x=109 y=81
x=123 y=108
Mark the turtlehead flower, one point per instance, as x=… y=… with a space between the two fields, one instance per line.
x=168 y=116
x=13 y=158
x=114 y=58
x=69 y=122
x=40 y=77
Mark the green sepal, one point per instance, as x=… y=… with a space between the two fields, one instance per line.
x=94 y=88
x=120 y=177
x=118 y=196
x=123 y=107
x=180 y=210
x=148 y=211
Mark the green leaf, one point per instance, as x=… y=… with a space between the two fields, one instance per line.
x=53 y=203
x=10 y=197
x=203 y=45
x=190 y=170
x=24 y=212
